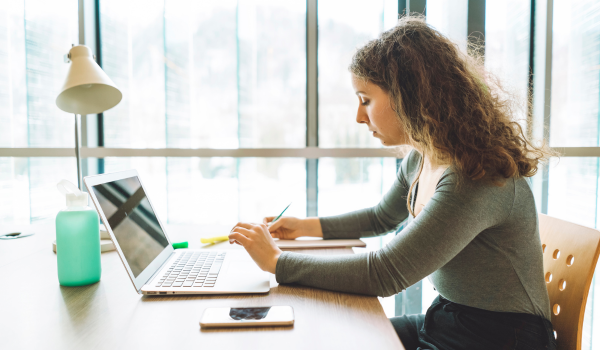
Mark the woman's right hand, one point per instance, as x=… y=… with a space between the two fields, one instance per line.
x=292 y=228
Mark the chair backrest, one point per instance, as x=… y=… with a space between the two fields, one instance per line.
x=570 y=255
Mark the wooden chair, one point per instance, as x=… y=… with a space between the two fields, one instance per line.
x=570 y=255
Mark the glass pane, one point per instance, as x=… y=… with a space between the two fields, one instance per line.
x=272 y=73
x=34 y=37
x=573 y=196
x=268 y=185
x=429 y=294
x=573 y=189
x=203 y=190
x=14 y=184
x=133 y=57
x=344 y=26
x=30 y=183
x=13 y=75
x=507 y=46
x=591 y=329
x=195 y=74
x=450 y=18
x=226 y=190
x=348 y=184
x=44 y=174
x=575 y=73
x=202 y=81
x=219 y=190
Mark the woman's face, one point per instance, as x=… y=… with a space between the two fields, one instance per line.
x=375 y=110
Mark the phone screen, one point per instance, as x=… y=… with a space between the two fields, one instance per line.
x=249 y=313
x=247 y=316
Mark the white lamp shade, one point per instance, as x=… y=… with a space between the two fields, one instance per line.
x=87 y=89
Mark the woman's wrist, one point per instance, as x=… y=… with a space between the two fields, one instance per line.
x=273 y=268
x=312 y=227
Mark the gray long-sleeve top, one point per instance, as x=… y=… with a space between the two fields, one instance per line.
x=478 y=243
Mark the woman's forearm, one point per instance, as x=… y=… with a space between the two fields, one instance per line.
x=312 y=227
x=352 y=273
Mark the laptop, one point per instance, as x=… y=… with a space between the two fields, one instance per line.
x=154 y=267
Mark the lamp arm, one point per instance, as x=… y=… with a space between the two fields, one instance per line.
x=77 y=155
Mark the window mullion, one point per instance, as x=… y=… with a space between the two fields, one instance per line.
x=312 y=108
x=410 y=301
x=90 y=124
x=542 y=86
x=476 y=24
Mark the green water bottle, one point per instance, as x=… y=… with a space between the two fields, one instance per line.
x=77 y=239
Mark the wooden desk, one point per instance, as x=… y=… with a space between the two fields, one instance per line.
x=37 y=313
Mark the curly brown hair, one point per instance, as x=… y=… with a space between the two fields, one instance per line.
x=451 y=107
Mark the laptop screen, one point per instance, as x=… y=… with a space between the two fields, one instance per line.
x=132 y=221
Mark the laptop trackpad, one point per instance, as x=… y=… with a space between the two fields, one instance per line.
x=243 y=265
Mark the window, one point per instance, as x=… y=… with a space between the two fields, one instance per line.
x=347 y=184
x=575 y=74
x=575 y=121
x=34 y=37
x=343 y=27
x=210 y=75
x=507 y=29
x=224 y=74
x=219 y=190
x=450 y=18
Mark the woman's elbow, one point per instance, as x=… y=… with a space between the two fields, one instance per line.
x=388 y=292
x=385 y=279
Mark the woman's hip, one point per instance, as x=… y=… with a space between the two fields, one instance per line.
x=448 y=325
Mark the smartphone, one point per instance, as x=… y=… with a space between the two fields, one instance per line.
x=247 y=316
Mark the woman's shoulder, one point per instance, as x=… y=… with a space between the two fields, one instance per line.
x=453 y=180
x=503 y=192
x=409 y=168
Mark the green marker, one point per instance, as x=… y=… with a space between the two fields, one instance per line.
x=180 y=245
x=277 y=218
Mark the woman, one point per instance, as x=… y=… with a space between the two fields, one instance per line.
x=472 y=222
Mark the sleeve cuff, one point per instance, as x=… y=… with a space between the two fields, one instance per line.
x=327 y=227
x=280 y=268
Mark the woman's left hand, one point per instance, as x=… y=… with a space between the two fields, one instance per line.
x=257 y=241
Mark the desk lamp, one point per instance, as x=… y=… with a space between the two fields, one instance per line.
x=87 y=90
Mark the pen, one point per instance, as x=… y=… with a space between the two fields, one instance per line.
x=232 y=240
x=277 y=218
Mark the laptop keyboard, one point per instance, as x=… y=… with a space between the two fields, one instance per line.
x=197 y=269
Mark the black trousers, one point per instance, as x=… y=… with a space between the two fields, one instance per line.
x=451 y=326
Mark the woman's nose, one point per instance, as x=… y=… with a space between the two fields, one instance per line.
x=361 y=116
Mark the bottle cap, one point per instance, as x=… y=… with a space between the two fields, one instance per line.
x=74 y=197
